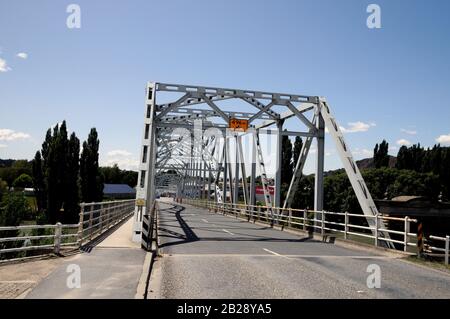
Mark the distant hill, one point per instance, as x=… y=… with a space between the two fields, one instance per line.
x=364 y=164
x=368 y=162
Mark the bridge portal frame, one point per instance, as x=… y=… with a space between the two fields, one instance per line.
x=201 y=103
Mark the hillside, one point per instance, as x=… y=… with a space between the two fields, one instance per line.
x=368 y=162
x=364 y=164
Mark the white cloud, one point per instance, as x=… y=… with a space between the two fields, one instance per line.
x=4 y=66
x=22 y=55
x=123 y=159
x=409 y=132
x=10 y=135
x=403 y=142
x=393 y=148
x=444 y=139
x=119 y=153
x=358 y=126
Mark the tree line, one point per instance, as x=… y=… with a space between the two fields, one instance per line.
x=416 y=171
x=62 y=177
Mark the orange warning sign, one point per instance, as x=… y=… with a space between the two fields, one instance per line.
x=238 y=124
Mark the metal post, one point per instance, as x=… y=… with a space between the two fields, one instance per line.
x=346 y=225
x=318 y=186
x=322 y=231
x=100 y=220
x=406 y=237
x=305 y=218
x=80 y=226
x=447 y=247
x=209 y=186
x=376 y=230
x=57 y=239
x=225 y=169
x=278 y=158
x=290 y=217
x=90 y=220
x=236 y=172
x=253 y=176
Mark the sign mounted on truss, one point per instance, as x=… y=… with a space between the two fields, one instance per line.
x=238 y=124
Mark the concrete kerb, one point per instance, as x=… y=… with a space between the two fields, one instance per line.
x=141 y=290
x=147 y=280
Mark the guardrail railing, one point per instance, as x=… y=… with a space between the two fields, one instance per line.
x=96 y=218
x=28 y=241
x=444 y=250
x=321 y=221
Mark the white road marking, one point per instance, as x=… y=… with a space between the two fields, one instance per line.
x=227 y=231
x=205 y=221
x=272 y=252
x=326 y=256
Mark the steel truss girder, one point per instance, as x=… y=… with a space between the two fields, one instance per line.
x=159 y=148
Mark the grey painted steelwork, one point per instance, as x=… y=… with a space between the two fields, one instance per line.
x=181 y=156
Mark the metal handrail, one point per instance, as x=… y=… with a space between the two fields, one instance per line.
x=445 y=250
x=98 y=217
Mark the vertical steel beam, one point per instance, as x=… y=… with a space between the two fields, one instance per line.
x=225 y=169
x=204 y=181
x=236 y=171
x=318 y=186
x=230 y=173
x=278 y=158
x=144 y=189
x=253 y=175
x=243 y=171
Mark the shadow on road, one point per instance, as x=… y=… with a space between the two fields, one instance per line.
x=167 y=229
x=188 y=236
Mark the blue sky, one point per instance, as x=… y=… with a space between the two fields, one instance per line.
x=391 y=83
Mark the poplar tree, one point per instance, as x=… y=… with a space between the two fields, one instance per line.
x=91 y=179
x=298 y=144
x=56 y=175
x=380 y=155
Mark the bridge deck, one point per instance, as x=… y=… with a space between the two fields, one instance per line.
x=206 y=255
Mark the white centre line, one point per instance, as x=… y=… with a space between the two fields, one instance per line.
x=205 y=221
x=227 y=231
x=274 y=253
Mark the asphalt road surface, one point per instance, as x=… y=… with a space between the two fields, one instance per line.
x=206 y=255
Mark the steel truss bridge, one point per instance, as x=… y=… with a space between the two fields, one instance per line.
x=192 y=148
